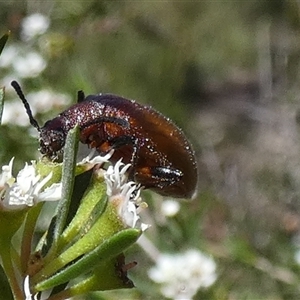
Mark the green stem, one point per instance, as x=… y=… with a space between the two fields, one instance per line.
x=29 y=227
x=9 y=270
x=10 y=222
x=15 y=257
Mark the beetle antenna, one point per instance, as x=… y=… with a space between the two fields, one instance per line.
x=80 y=96
x=32 y=120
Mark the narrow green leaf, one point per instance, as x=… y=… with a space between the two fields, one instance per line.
x=3 y=41
x=68 y=177
x=1 y=102
x=107 y=250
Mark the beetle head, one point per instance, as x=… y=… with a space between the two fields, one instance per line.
x=51 y=141
x=52 y=136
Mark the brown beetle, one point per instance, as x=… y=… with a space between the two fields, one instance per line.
x=162 y=159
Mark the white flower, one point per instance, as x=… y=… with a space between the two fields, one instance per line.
x=46 y=100
x=26 y=189
x=116 y=178
x=8 y=55
x=42 y=101
x=170 y=208
x=29 y=65
x=34 y=25
x=125 y=195
x=181 y=275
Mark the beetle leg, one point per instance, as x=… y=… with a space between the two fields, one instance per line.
x=125 y=140
x=119 y=141
x=157 y=176
x=134 y=155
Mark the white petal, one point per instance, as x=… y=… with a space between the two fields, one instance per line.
x=6 y=175
x=52 y=193
x=26 y=288
x=40 y=184
x=26 y=178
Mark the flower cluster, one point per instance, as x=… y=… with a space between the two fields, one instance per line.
x=26 y=62
x=27 y=189
x=33 y=26
x=116 y=227
x=125 y=195
x=41 y=101
x=181 y=275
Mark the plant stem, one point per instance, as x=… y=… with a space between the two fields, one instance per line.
x=5 y=252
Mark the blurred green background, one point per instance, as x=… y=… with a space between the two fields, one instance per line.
x=227 y=72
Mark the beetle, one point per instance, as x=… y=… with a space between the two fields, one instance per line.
x=161 y=157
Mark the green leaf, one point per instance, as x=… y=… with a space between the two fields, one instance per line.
x=3 y=41
x=68 y=177
x=1 y=102
x=91 y=208
x=111 y=248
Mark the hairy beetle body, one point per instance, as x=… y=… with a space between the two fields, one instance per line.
x=162 y=159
